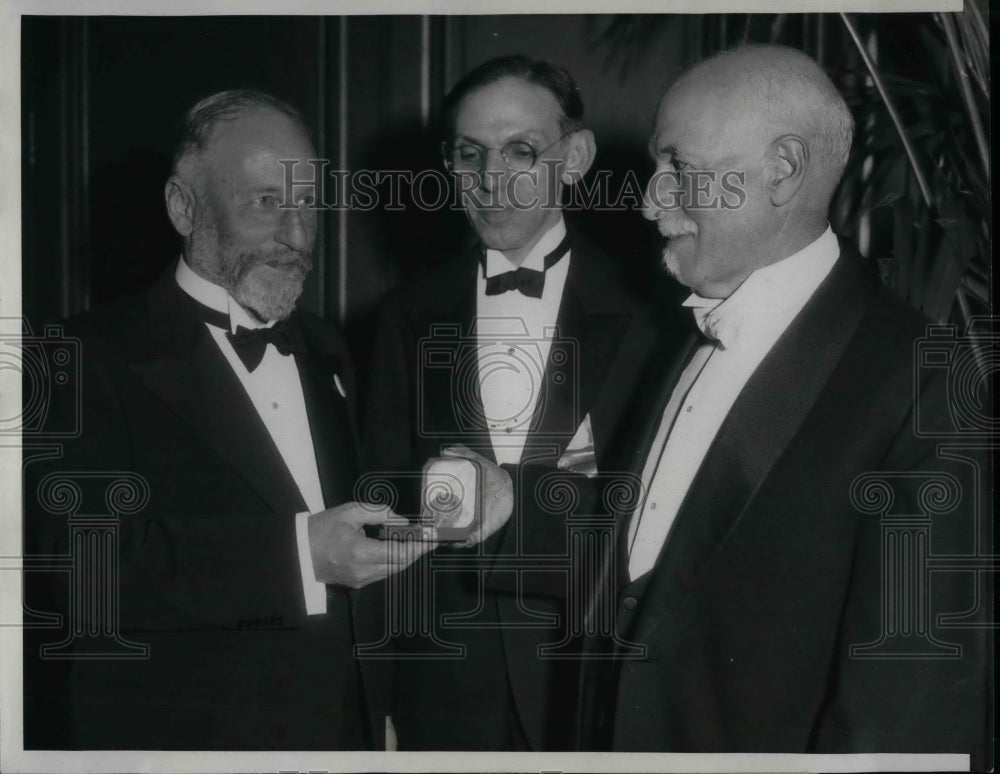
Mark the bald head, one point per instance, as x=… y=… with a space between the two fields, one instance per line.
x=780 y=90
x=763 y=123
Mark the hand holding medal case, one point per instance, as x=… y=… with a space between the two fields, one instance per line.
x=451 y=504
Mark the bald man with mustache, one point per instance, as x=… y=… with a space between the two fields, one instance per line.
x=750 y=572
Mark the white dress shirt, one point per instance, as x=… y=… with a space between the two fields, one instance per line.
x=275 y=390
x=514 y=336
x=745 y=327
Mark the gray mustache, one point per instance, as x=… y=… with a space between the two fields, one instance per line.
x=287 y=257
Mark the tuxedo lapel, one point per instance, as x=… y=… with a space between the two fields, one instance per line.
x=593 y=318
x=577 y=364
x=596 y=316
x=760 y=426
x=558 y=408
x=184 y=368
x=633 y=444
x=449 y=398
x=331 y=421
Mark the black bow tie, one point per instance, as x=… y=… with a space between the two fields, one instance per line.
x=250 y=343
x=529 y=282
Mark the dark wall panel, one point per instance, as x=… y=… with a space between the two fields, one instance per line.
x=131 y=79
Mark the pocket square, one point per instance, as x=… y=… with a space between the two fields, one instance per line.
x=579 y=455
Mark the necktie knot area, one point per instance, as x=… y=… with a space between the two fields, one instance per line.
x=251 y=343
x=528 y=282
x=712 y=326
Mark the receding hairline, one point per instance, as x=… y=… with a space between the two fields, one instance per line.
x=206 y=117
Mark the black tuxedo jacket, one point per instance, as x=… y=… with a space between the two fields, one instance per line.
x=425 y=395
x=772 y=572
x=209 y=571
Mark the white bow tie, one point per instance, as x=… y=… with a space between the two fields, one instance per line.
x=708 y=319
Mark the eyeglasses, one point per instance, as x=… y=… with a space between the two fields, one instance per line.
x=518 y=155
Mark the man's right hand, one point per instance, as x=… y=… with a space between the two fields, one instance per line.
x=497 y=492
x=343 y=555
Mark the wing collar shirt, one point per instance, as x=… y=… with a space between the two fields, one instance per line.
x=275 y=390
x=514 y=337
x=743 y=329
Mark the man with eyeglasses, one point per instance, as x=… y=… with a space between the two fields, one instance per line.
x=544 y=343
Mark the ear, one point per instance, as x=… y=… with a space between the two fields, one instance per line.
x=180 y=205
x=789 y=160
x=579 y=157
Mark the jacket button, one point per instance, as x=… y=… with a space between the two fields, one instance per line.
x=630 y=603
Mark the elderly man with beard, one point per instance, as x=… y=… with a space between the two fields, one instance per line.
x=237 y=411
